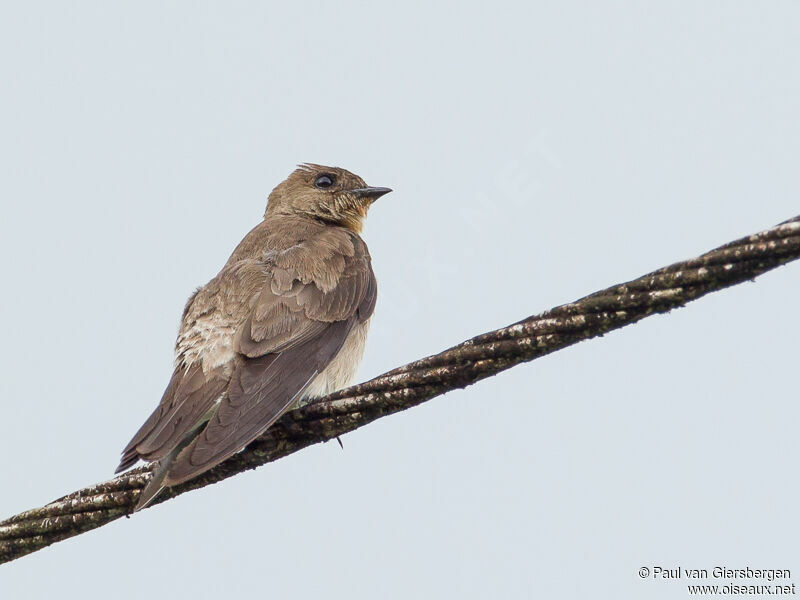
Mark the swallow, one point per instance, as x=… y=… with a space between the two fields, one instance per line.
x=283 y=322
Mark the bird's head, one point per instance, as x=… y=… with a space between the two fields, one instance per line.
x=328 y=194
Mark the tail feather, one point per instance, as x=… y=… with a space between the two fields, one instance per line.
x=156 y=483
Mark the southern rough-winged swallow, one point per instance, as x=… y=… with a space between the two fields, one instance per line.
x=284 y=321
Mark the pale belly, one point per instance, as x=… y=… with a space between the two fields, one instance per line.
x=341 y=370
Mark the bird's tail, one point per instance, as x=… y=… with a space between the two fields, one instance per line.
x=156 y=483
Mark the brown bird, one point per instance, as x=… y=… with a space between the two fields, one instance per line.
x=284 y=321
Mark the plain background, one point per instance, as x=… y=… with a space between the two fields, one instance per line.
x=538 y=152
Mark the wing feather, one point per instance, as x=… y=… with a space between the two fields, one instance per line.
x=188 y=398
x=130 y=454
x=259 y=393
x=196 y=396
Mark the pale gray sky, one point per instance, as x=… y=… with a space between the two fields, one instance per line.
x=538 y=152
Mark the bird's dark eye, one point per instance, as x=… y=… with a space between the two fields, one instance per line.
x=324 y=181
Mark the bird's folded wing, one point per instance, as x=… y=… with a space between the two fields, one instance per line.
x=298 y=323
x=188 y=397
x=261 y=390
x=293 y=314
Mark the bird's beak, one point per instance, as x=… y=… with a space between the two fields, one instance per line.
x=373 y=193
